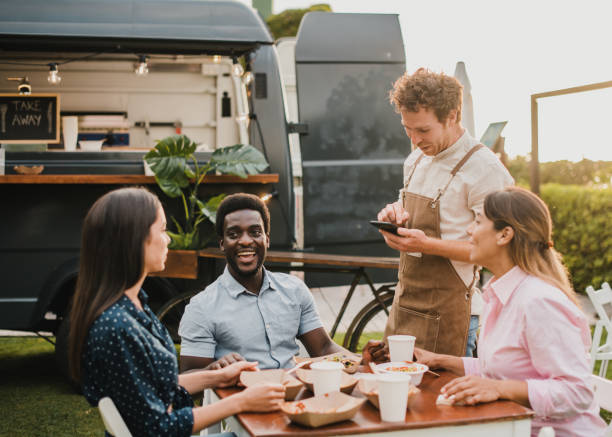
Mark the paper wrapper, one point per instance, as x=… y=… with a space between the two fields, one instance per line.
x=347 y=383
x=443 y=400
x=350 y=361
x=322 y=410
x=276 y=376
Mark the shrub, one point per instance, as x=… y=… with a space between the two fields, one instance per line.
x=288 y=22
x=585 y=172
x=582 y=231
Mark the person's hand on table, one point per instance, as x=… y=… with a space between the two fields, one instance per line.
x=224 y=361
x=471 y=390
x=375 y=351
x=394 y=213
x=229 y=375
x=430 y=359
x=262 y=398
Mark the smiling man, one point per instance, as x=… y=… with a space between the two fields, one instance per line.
x=446 y=178
x=248 y=312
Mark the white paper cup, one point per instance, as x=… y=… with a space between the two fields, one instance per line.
x=326 y=376
x=393 y=397
x=70 y=131
x=401 y=347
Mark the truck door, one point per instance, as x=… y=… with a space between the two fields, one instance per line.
x=353 y=154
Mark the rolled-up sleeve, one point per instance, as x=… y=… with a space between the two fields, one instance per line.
x=491 y=179
x=471 y=366
x=197 y=336
x=555 y=338
x=309 y=318
x=125 y=370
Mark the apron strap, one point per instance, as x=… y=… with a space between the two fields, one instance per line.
x=414 y=166
x=454 y=171
x=473 y=278
x=465 y=158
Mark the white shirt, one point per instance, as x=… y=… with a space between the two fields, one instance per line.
x=482 y=174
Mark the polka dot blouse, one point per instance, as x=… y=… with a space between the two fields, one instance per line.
x=129 y=356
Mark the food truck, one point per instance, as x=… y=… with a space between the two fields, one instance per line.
x=136 y=71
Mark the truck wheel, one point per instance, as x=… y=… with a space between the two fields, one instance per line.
x=171 y=312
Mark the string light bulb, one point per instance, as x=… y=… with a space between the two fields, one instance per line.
x=142 y=68
x=23 y=87
x=266 y=197
x=216 y=59
x=248 y=77
x=54 y=78
x=237 y=69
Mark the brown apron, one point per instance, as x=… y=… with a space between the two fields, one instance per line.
x=431 y=300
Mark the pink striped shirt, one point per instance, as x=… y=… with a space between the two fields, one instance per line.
x=532 y=332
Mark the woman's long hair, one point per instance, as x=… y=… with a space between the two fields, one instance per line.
x=112 y=260
x=531 y=248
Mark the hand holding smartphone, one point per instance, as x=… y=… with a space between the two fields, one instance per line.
x=385 y=226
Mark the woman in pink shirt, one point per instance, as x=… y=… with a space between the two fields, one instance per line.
x=534 y=341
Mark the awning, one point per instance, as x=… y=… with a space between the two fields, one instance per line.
x=132 y=26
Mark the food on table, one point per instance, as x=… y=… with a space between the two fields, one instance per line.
x=322 y=410
x=407 y=368
x=350 y=362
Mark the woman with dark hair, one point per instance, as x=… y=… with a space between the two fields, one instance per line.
x=118 y=348
x=533 y=345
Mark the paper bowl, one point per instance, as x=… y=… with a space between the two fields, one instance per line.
x=322 y=410
x=276 y=376
x=91 y=145
x=369 y=388
x=351 y=362
x=416 y=375
x=347 y=383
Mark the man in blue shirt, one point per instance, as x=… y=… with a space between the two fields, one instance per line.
x=249 y=312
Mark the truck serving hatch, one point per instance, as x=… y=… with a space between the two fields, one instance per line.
x=132 y=26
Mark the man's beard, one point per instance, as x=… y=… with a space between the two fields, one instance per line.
x=231 y=260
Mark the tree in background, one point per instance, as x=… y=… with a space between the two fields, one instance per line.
x=585 y=172
x=287 y=22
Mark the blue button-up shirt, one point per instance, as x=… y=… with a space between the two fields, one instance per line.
x=225 y=318
x=129 y=356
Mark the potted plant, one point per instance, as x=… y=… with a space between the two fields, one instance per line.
x=179 y=175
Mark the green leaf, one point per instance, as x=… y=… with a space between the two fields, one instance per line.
x=239 y=160
x=210 y=208
x=168 y=160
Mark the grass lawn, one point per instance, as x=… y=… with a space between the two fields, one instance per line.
x=35 y=400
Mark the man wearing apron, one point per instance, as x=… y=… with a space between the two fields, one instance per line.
x=446 y=179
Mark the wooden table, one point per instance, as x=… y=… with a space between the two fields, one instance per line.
x=423 y=418
x=127 y=179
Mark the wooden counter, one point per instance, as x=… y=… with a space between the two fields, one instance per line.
x=128 y=179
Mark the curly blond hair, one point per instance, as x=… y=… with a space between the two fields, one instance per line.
x=426 y=89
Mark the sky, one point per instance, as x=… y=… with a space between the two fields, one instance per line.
x=513 y=49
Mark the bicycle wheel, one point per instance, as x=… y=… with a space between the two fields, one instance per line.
x=371 y=318
x=171 y=312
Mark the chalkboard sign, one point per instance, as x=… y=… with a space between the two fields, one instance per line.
x=29 y=119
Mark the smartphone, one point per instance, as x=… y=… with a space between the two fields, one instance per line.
x=385 y=226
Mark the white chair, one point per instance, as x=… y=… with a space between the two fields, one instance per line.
x=546 y=431
x=603 y=395
x=113 y=422
x=599 y=298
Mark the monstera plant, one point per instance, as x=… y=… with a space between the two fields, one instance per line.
x=179 y=175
